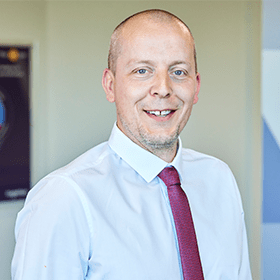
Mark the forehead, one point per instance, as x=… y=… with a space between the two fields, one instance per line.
x=146 y=38
x=143 y=26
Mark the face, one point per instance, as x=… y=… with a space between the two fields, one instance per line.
x=155 y=84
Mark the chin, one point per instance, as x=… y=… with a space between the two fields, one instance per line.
x=159 y=141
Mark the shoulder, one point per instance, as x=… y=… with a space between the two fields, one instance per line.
x=63 y=182
x=60 y=195
x=209 y=172
x=194 y=158
x=92 y=158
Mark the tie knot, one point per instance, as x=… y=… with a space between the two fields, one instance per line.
x=169 y=176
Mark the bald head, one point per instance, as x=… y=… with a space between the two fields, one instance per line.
x=156 y=16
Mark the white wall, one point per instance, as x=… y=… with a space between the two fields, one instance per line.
x=70 y=112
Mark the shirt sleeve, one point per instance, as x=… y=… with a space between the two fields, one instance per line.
x=244 y=271
x=49 y=231
x=244 y=268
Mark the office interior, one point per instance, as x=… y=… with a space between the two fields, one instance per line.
x=69 y=112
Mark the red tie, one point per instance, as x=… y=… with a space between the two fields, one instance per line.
x=191 y=264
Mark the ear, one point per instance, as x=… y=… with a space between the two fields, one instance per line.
x=108 y=80
x=195 y=100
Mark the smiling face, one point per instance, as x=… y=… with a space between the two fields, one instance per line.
x=155 y=84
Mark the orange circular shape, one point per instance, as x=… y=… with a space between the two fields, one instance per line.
x=13 y=55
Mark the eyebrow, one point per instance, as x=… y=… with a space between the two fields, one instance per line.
x=177 y=62
x=132 y=61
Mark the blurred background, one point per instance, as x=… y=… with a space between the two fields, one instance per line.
x=235 y=119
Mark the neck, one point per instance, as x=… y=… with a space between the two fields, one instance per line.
x=167 y=156
x=166 y=153
x=165 y=150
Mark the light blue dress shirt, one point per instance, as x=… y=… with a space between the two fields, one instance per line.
x=106 y=215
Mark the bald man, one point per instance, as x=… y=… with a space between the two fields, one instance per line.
x=110 y=214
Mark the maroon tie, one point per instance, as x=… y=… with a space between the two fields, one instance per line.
x=191 y=264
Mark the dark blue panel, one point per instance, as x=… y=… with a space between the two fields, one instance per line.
x=271 y=177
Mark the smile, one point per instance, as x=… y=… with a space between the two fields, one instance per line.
x=159 y=113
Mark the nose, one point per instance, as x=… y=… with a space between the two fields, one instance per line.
x=161 y=85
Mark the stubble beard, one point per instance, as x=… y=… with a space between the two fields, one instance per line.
x=159 y=143
x=156 y=144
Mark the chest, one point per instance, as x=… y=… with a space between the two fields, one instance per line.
x=134 y=235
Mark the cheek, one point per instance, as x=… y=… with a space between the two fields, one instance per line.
x=124 y=105
x=130 y=97
x=187 y=95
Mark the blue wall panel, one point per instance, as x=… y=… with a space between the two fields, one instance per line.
x=271 y=249
x=271 y=177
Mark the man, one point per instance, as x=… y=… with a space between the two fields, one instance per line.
x=112 y=212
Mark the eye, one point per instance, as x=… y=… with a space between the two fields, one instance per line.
x=141 y=71
x=178 y=72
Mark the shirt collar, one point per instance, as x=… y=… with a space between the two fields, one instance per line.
x=142 y=161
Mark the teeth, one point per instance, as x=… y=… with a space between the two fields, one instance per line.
x=157 y=113
x=160 y=113
x=164 y=113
